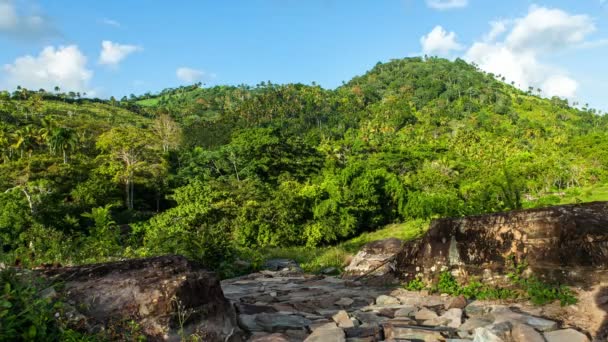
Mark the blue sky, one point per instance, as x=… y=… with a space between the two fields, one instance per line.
x=122 y=47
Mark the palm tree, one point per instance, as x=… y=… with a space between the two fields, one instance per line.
x=25 y=139
x=63 y=139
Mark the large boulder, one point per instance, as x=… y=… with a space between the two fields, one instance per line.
x=166 y=296
x=566 y=244
x=375 y=258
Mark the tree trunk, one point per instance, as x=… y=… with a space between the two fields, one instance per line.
x=65 y=157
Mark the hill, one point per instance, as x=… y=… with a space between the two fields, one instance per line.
x=214 y=173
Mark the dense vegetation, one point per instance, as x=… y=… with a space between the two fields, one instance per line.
x=222 y=172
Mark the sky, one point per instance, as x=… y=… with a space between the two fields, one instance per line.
x=115 y=48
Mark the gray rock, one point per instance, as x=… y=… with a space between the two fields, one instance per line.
x=387 y=300
x=525 y=333
x=373 y=256
x=369 y=318
x=435 y=322
x=406 y=311
x=329 y=270
x=273 y=322
x=566 y=335
x=506 y=315
x=425 y=314
x=247 y=322
x=344 y=301
x=343 y=320
x=456 y=303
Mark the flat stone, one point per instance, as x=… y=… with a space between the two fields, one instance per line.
x=525 y=333
x=248 y=323
x=363 y=332
x=454 y=317
x=386 y=312
x=326 y=333
x=343 y=320
x=250 y=309
x=506 y=315
x=328 y=313
x=392 y=332
x=473 y=323
x=273 y=322
x=386 y=300
x=435 y=322
x=425 y=314
x=565 y=335
x=344 y=301
x=276 y=337
x=406 y=311
x=369 y=318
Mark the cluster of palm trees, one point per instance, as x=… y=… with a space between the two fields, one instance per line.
x=23 y=141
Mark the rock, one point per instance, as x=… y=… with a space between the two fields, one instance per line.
x=435 y=322
x=250 y=309
x=273 y=322
x=329 y=270
x=276 y=337
x=326 y=333
x=369 y=318
x=498 y=332
x=49 y=293
x=344 y=301
x=150 y=292
x=248 y=323
x=342 y=319
x=475 y=309
x=454 y=317
x=560 y=243
x=387 y=300
x=374 y=254
x=386 y=312
x=406 y=311
x=393 y=332
x=456 y=303
x=425 y=314
x=282 y=264
x=375 y=332
x=506 y=315
x=525 y=333
x=565 y=335
x=473 y=323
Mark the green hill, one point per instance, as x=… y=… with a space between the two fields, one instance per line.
x=214 y=172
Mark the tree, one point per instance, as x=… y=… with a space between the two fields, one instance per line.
x=127 y=152
x=167 y=131
x=63 y=139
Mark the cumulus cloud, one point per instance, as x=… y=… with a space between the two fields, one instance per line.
x=64 y=66
x=113 y=53
x=189 y=75
x=518 y=56
x=447 y=4
x=439 y=42
x=19 y=24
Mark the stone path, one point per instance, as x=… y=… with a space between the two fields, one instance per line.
x=281 y=306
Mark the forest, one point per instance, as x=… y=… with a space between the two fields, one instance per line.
x=218 y=173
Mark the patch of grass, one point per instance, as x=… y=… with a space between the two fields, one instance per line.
x=315 y=259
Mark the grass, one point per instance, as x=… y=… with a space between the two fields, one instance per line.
x=315 y=259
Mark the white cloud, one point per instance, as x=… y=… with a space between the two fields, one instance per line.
x=439 y=42
x=64 y=66
x=189 y=75
x=447 y=4
x=110 y=22
x=24 y=25
x=113 y=53
x=518 y=56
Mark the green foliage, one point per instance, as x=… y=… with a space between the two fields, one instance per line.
x=24 y=315
x=416 y=284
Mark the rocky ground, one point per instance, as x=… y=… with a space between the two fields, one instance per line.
x=287 y=305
